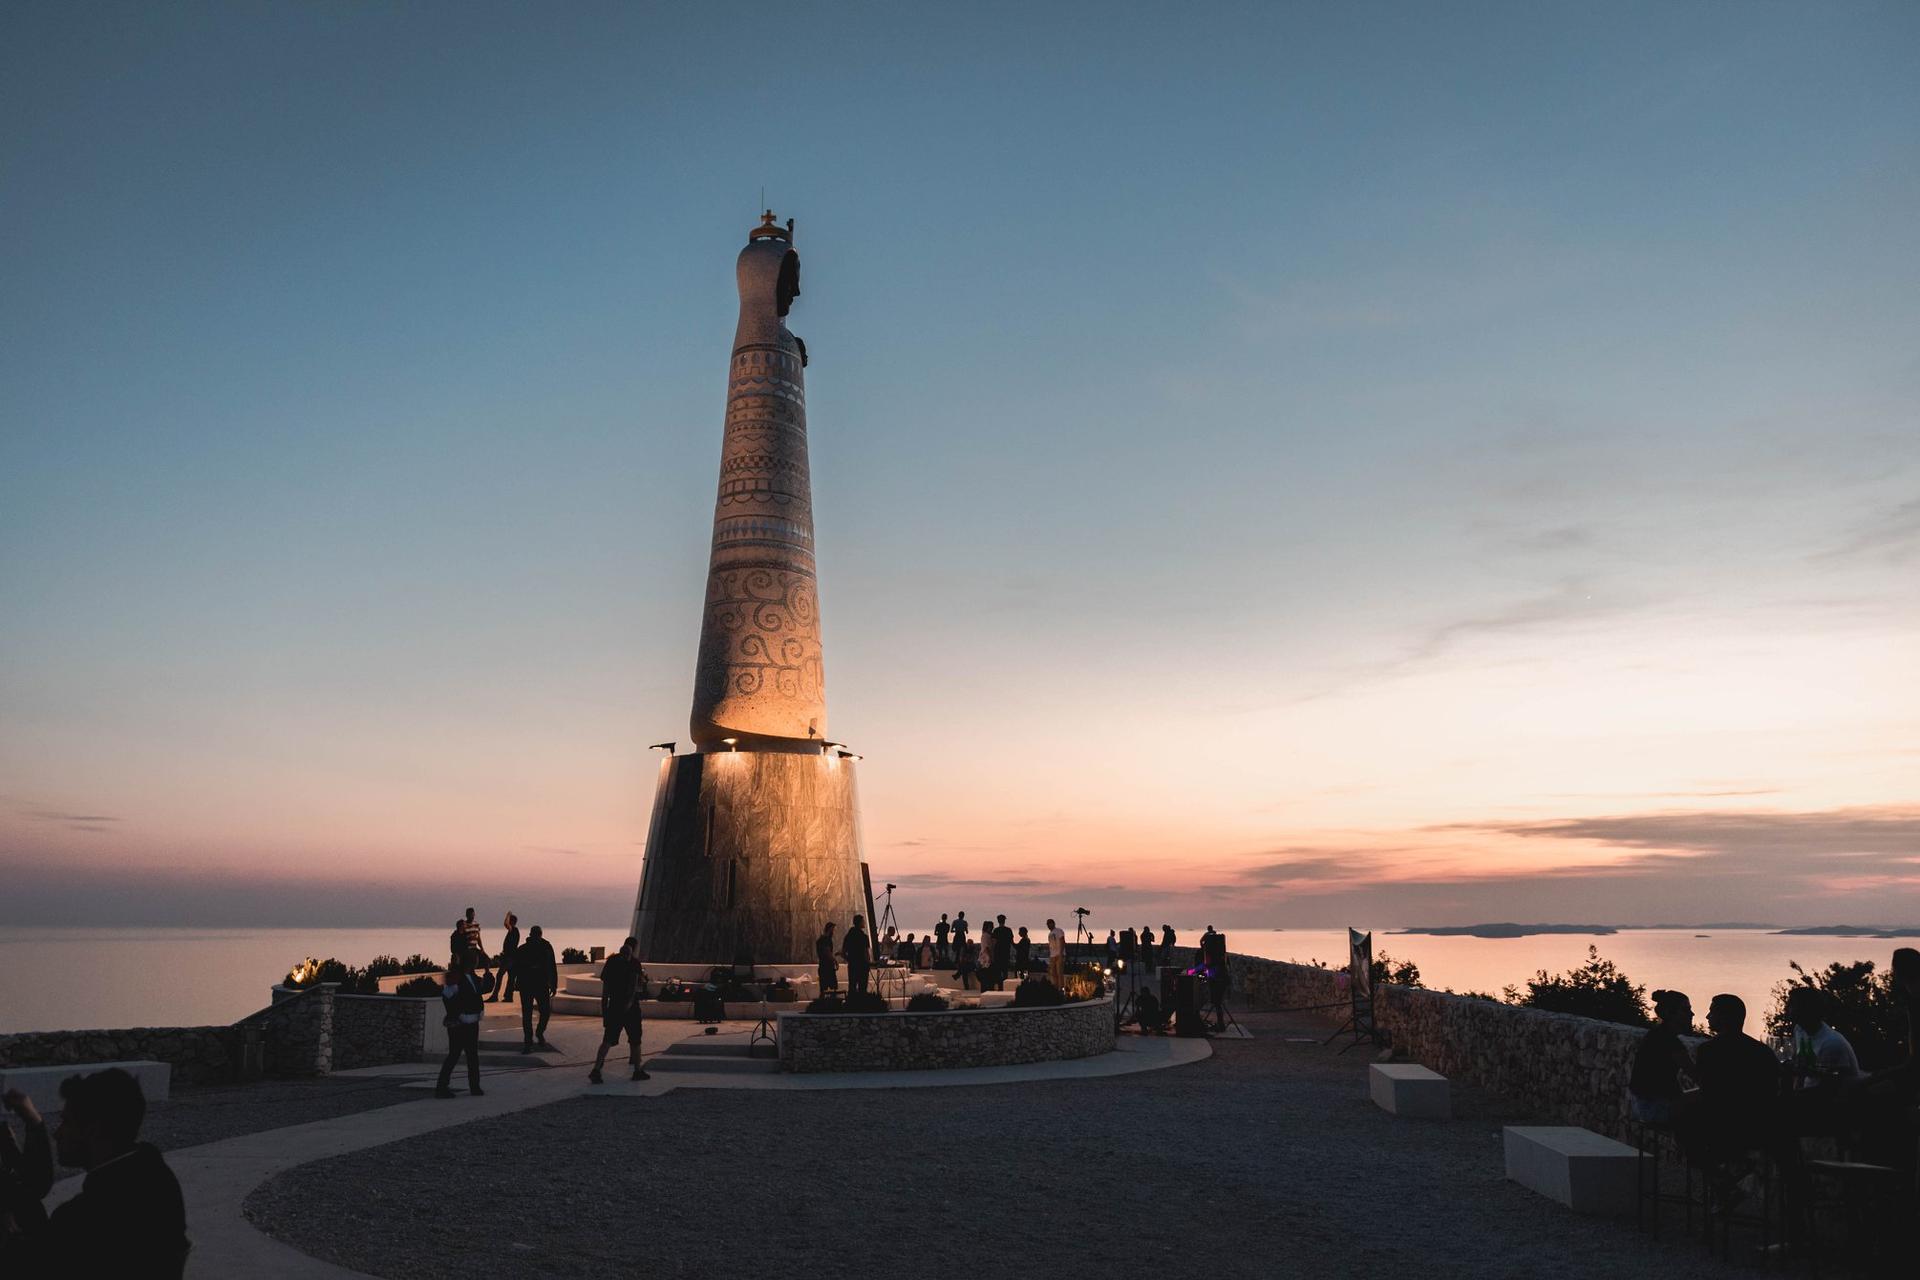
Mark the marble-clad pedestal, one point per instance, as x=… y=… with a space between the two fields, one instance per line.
x=749 y=853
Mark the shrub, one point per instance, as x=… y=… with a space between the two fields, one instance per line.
x=1597 y=989
x=1036 y=993
x=573 y=955
x=866 y=1002
x=827 y=1004
x=1859 y=1005
x=311 y=973
x=1399 y=973
x=420 y=986
x=927 y=1002
x=389 y=966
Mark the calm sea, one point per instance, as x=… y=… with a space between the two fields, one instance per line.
x=53 y=979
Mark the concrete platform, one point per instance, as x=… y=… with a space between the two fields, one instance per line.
x=42 y=1084
x=1409 y=1089
x=1584 y=1170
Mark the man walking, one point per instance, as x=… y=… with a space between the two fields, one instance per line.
x=620 y=1008
x=460 y=992
x=534 y=969
x=858 y=953
x=940 y=932
x=1056 y=954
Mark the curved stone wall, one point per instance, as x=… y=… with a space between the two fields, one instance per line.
x=954 y=1038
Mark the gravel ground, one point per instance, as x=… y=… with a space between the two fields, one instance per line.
x=200 y=1114
x=1265 y=1160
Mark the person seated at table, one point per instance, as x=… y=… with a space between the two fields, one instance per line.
x=1821 y=1055
x=1739 y=1083
x=1654 y=1088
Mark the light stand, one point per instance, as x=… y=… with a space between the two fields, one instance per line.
x=764 y=1030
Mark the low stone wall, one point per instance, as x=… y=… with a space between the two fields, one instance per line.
x=956 y=1038
x=298 y=1032
x=198 y=1055
x=371 y=1031
x=1572 y=1069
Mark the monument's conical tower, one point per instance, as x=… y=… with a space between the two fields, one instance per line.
x=755 y=838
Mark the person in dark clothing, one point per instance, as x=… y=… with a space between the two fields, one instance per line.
x=1023 y=954
x=129 y=1220
x=539 y=977
x=1146 y=952
x=1739 y=1084
x=26 y=1175
x=940 y=932
x=508 y=945
x=824 y=957
x=958 y=939
x=1002 y=952
x=1113 y=951
x=621 y=983
x=1653 y=1088
x=1166 y=944
x=462 y=992
x=858 y=953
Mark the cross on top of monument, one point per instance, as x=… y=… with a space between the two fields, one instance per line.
x=769 y=230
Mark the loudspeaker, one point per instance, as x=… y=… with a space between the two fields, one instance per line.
x=1213 y=949
x=1186 y=1006
x=1129 y=945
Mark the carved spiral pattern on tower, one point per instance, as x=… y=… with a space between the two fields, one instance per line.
x=760 y=669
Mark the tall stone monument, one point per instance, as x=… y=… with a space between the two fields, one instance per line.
x=755 y=838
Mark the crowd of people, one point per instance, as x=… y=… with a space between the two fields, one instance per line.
x=475 y=978
x=1732 y=1101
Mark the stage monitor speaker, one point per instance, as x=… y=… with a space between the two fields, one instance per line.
x=1129 y=945
x=1213 y=949
x=1186 y=1006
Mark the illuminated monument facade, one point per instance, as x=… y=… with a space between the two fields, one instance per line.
x=755 y=837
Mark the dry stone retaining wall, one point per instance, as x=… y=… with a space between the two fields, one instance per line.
x=1572 y=1069
x=370 y=1031
x=955 y=1038
x=198 y=1055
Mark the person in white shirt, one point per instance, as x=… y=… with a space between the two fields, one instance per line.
x=1056 y=954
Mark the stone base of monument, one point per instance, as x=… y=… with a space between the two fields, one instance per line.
x=749 y=853
x=580 y=992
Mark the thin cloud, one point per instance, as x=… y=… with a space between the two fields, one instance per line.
x=1892 y=535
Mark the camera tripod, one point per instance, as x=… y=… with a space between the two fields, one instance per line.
x=887 y=919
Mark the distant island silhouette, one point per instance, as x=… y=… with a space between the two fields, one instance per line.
x=1507 y=930
x=1855 y=931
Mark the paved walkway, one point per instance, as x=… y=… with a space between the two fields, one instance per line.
x=1265 y=1159
x=217 y=1177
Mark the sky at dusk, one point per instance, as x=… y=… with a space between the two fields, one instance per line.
x=1275 y=464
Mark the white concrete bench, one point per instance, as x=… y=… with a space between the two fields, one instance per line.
x=42 y=1084
x=1409 y=1089
x=1585 y=1171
